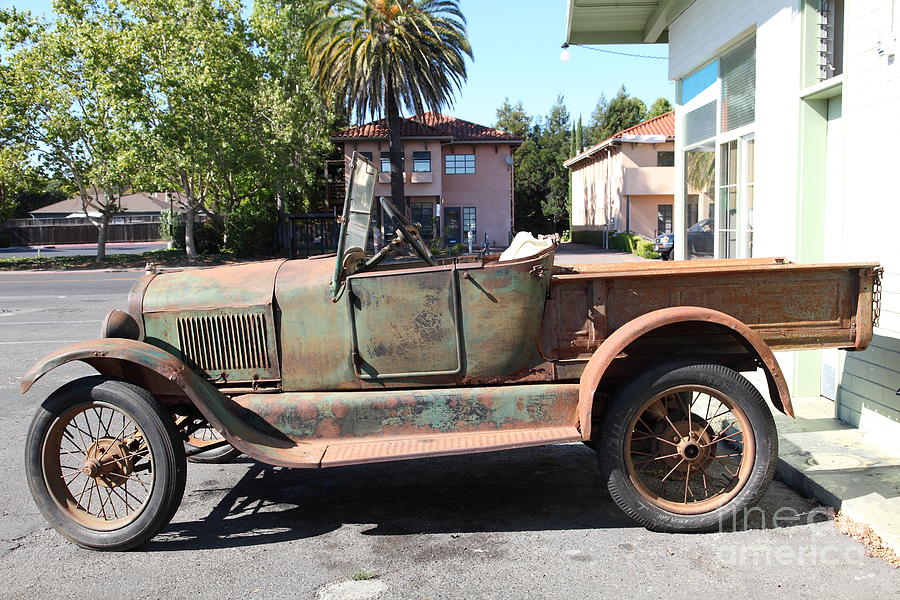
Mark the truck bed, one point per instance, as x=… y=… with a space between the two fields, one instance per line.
x=791 y=306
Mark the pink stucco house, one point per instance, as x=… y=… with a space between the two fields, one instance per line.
x=626 y=182
x=458 y=171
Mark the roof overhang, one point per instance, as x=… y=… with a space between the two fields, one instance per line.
x=621 y=21
x=442 y=138
x=634 y=139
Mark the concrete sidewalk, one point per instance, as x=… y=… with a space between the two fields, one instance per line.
x=855 y=472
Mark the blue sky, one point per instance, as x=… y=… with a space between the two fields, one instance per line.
x=516 y=47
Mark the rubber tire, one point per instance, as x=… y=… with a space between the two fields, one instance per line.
x=170 y=466
x=621 y=412
x=666 y=255
x=216 y=456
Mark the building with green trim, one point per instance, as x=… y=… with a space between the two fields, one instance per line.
x=786 y=138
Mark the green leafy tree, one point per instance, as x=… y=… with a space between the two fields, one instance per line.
x=513 y=118
x=17 y=176
x=200 y=124
x=660 y=107
x=623 y=112
x=541 y=182
x=377 y=57
x=68 y=98
x=594 y=130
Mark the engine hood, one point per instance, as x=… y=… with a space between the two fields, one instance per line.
x=230 y=286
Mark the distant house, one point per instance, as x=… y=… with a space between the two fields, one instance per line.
x=138 y=204
x=455 y=170
x=626 y=182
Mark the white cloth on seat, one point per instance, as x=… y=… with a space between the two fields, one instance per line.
x=525 y=245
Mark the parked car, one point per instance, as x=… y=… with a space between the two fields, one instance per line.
x=348 y=358
x=699 y=238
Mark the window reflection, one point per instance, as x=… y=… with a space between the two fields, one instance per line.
x=700 y=172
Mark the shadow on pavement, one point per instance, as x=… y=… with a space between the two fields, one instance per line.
x=534 y=489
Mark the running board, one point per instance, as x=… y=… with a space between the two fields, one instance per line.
x=360 y=452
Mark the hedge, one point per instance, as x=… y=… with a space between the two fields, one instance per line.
x=628 y=242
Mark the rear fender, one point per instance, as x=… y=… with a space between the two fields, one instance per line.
x=616 y=343
x=112 y=357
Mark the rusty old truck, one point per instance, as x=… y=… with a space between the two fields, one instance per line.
x=358 y=357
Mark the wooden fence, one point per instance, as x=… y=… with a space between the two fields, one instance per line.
x=43 y=232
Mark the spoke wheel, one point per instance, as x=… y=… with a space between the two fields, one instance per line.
x=684 y=447
x=103 y=463
x=206 y=436
x=98 y=466
x=689 y=449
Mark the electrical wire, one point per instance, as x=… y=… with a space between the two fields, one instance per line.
x=620 y=53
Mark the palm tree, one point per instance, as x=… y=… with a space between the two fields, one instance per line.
x=377 y=57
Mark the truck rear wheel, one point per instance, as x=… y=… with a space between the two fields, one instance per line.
x=104 y=463
x=687 y=447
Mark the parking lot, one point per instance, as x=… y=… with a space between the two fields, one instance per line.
x=533 y=523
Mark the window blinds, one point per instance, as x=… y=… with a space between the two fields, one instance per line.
x=700 y=124
x=738 y=76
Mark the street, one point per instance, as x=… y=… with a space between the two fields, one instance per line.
x=532 y=523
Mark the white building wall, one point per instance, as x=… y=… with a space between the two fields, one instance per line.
x=862 y=217
x=871 y=207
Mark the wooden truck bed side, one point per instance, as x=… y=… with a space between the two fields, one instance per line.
x=791 y=306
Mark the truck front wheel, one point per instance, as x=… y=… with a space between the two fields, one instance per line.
x=687 y=447
x=104 y=463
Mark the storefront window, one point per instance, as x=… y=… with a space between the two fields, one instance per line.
x=699 y=214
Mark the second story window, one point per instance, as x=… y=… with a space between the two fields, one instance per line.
x=386 y=162
x=422 y=162
x=459 y=164
x=665 y=158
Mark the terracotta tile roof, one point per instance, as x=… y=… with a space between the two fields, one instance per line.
x=663 y=125
x=430 y=125
x=136 y=202
x=466 y=131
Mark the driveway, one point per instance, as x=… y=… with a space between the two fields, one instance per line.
x=574 y=254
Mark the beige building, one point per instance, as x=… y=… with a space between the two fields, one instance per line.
x=626 y=182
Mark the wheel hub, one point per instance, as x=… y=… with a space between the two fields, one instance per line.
x=109 y=462
x=693 y=447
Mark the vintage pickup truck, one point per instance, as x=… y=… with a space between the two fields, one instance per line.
x=349 y=358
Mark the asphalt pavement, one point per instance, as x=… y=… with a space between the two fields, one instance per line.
x=80 y=249
x=532 y=523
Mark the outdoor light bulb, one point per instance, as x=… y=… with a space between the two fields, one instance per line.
x=564 y=55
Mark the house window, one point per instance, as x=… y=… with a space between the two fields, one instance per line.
x=665 y=158
x=367 y=155
x=421 y=162
x=663 y=218
x=469 y=221
x=386 y=162
x=459 y=164
x=423 y=215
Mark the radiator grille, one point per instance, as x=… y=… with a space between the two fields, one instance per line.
x=225 y=342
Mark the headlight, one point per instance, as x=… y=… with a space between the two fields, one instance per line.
x=664 y=240
x=120 y=324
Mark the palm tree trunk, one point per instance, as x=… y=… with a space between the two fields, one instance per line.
x=395 y=149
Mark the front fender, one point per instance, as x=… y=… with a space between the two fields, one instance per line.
x=623 y=336
x=243 y=430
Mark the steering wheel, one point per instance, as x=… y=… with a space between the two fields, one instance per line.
x=409 y=232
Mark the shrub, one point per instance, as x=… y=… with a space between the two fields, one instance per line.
x=645 y=249
x=588 y=237
x=209 y=237
x=250 y=228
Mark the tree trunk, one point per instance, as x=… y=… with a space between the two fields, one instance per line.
x=189 y=216
x=101 y=236
x=395 y=150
